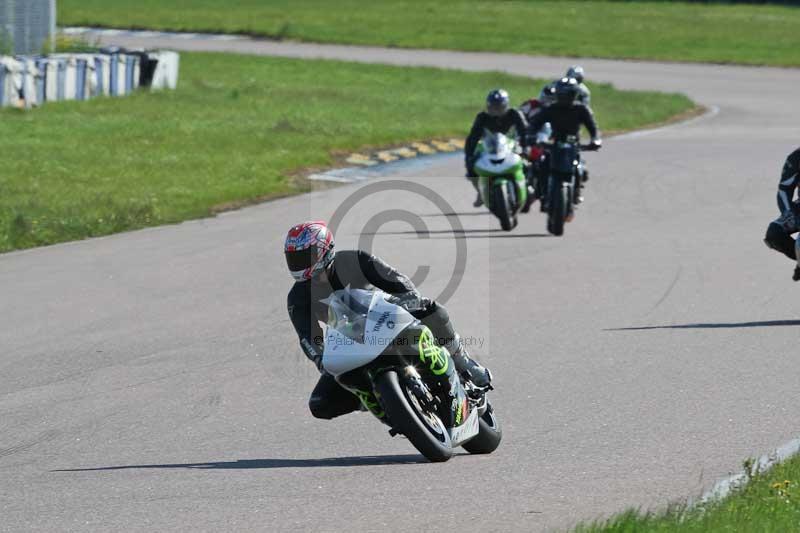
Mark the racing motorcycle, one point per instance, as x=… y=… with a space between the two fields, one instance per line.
x=501 y=175
x=561 y=189
x=377 y=350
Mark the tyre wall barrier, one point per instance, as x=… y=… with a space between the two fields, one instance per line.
x=27 y=81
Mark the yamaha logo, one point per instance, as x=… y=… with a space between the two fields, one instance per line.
x=381 y=321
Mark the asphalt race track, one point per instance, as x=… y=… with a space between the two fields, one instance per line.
x=151 y=381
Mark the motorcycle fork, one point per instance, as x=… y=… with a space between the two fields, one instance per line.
x=483 y=188
x=360 y=382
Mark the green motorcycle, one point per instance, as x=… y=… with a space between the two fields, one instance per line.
x=501 y=175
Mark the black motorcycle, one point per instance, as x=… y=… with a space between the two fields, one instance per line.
x=559 y=186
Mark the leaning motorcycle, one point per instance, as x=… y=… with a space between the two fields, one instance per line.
x=377 y=350
x=561 y=188
x=501 y=175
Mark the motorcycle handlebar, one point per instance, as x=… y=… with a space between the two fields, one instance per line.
x=591 y=147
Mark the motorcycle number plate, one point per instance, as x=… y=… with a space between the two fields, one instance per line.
x=467 y=430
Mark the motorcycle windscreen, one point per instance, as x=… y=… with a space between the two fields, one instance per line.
x=496 y=145
x=361 y=325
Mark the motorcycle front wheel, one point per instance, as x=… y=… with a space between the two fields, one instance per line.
x=423 y=428
x=557 y=208
x=489 y=434
x=503 y=208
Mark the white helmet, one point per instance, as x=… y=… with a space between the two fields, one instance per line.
x=576 y=71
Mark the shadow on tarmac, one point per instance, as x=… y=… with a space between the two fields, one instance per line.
x=721 y=325
x=470 y=214
x=369 y=460
x=503 y=235
x=463 y=234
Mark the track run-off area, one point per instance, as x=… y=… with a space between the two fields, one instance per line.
x=152 y=380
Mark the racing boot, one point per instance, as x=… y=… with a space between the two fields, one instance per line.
x=469 y=368
x=582 y=183
x=530 y=199
x=479 y=200
x=796 y=275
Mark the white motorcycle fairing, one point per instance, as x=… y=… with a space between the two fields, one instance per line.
x=355 y=338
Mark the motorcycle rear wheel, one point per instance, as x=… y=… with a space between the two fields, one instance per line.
x=425 y=430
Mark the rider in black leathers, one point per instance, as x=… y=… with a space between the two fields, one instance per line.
x=779 y=232
x=566 y=116
x=358 y=269
x=499 y=117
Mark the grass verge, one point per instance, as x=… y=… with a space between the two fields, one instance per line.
x=768 y=503
x=671 y=31
x=235 y=131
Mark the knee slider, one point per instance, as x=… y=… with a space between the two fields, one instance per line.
x=775 y=236
x=320 y=408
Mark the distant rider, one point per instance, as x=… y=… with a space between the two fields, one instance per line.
x=584 y=94
x=779 y=232
x=530 y=108
x=499 y=117
x=318 y=271
x=566 y=116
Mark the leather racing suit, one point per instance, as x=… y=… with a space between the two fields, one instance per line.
x=779 y=232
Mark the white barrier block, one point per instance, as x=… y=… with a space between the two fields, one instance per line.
x=70 y=80
x=166 y=74
x=122 y=74
x=51 y=80
x=102 y=75
x=28 y=73
x=11 y=80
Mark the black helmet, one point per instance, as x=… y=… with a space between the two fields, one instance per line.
x=548 y=94
x=576 y=72
x=566 y=91
x=497 y=103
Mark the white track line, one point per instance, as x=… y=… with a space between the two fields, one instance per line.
x=710 y=113
x=724 y=487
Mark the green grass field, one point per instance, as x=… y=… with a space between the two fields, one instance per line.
x=235 y=131
x=770 y=503
x=723 y=33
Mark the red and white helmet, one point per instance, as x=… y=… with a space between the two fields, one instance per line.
x=308 y=249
